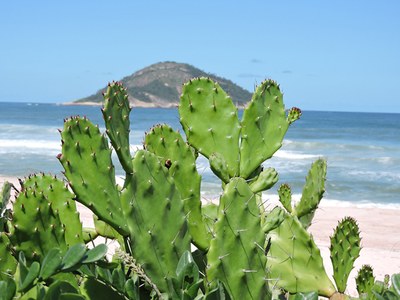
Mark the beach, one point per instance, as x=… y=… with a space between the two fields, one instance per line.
x=380 y=238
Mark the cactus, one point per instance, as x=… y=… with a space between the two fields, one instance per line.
x=219 y=166
x=285 y=197
x=294 y=259
x=116 y=115
x=234 y=148
x=365 y=280
x=62 y=202
x=313 y=191
x=36 y=225
x=86 y=158
x=180 y=160
x=345 y=249
x=7 y=261
x=264 y=181
x=210 y=121
x=157 y=212
x=5 y=196
x=264 y=125
x=236 y=256
x=153 y=210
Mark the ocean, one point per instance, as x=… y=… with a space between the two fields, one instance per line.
x=362 y=149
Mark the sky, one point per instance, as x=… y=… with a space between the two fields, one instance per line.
x=326 y=55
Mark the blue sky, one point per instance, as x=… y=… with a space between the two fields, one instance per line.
x=326 y=55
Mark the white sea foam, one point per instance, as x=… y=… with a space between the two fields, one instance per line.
x=376 y=175
x=284 y=154
x=29 y=146
x=273 y=200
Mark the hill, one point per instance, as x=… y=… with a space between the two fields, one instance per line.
x=160 y=85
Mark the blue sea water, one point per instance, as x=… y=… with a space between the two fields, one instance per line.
x=362 y=149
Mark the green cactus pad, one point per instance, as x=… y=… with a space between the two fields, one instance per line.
x=219 y=166
x=265 y=180
x=345 y=249
x=313 y=191
x=273 y=219
x=86 y=158
x=210 y=121
x=36 y=225
x=285 y=197
x=264 y=125
x=8 y=263
x=5 y=196
x=62 y=202
x=180 y=160
x=156 y=219
x=294 y=114
x=236 y=256
x=294 y=259
x=365 y=280
x=116 y=116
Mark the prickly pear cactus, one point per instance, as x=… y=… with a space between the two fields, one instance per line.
x=265 y=180
x=365 y=280
x=313 y=191
x=36 y=224
x=155 y=217
x=345 y=249
x=264 y=125
x=116 y=116
x=180 y=161
x=62 y=201
x=285 y=197
x=234 y=148
x=294 y=260
x=236 y=256
x=86 y=158
x=8 y=263
x=210 y=121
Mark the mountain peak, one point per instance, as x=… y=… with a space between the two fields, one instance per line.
x=160 y=85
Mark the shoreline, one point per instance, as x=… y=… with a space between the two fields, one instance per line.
x=378 y=229
x=135 y=104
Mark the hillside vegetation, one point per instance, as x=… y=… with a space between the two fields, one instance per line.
x=160 y=85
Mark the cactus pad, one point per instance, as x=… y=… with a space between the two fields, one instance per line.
x=295 y=260
x=265 y=180
x=36 y=225
x=116 y=116
x=365 y=280
x=345 y=248
x=313 y=191
x=285 y=197
x=86 y=158
x=180 y=160
x=264 y=125
x=210 y=121
x=62 y=202
x=236 y=256
x=156 y=219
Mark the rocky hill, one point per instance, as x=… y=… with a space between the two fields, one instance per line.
x=160 y=85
